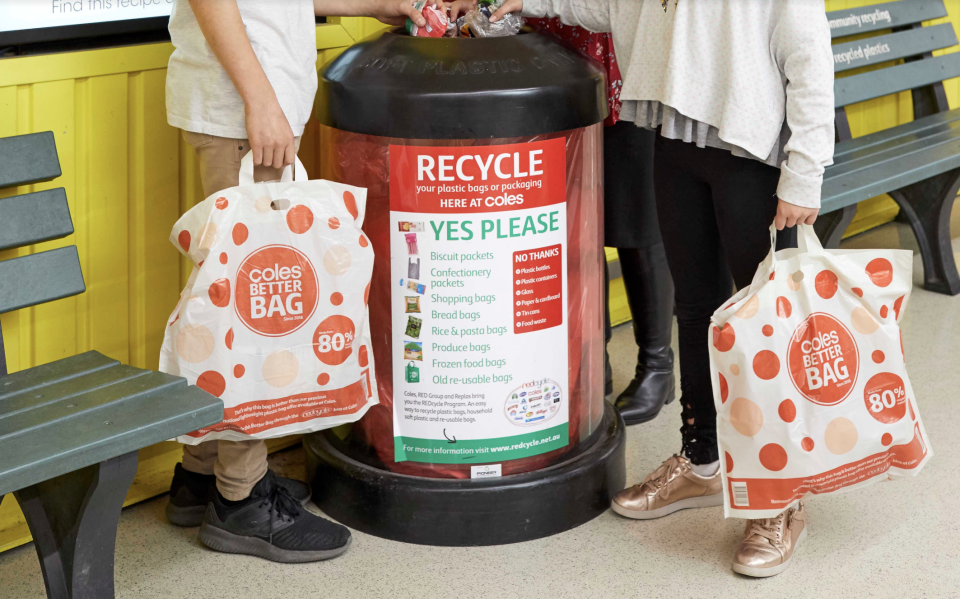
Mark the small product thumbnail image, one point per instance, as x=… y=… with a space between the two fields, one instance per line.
x=413 y=373
x=412 y=304
x=413 y=327
x=414 y=286
x=413 y=268
x=412 y=244
x=406 y=227
x=413 y=350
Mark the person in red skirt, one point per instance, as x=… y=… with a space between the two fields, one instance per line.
x=630 y=225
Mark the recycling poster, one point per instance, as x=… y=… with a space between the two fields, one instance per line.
x=478 y=247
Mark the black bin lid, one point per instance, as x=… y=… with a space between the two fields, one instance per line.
x=453 y=88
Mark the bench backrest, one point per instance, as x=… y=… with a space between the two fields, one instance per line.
x=920 y=72
x=31 y=218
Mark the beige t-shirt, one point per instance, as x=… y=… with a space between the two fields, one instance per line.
x=201 y=97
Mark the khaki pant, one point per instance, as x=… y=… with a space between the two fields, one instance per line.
x=238 y=465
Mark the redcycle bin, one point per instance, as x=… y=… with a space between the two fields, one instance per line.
x=484 y=168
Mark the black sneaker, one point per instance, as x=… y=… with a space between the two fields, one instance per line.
x=270 y=524
x=189 y=496
x=191 y=492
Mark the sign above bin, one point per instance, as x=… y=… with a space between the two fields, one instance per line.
x=29 y=21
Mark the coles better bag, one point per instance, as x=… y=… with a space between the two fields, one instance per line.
x=274 y=317
x=809 y=379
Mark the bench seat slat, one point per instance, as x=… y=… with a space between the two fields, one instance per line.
x=890 y=173
x=69 y=391
x=103 y=400
x=940 y=120
x=34 y=217
x=890 y=150
x=141 y=411
x=911 y=75
x=39 y=278
x=901 y=13
x=888 y=157
x=88 y=439
x=893 y=46
x=52 y=373
x=28 y=159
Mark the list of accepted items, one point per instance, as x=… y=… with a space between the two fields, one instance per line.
x=478 y=258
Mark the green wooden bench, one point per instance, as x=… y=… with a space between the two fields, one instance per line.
x=917 y=163
x=70 y=429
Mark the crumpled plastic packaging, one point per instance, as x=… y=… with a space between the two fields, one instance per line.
x=438 y=25
x=478 y=20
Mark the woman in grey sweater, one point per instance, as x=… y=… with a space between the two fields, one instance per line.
x=741 y=95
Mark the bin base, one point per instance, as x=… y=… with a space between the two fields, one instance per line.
x=467 y=512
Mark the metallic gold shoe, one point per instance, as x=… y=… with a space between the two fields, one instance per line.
x=670 y=488
x=769 y=544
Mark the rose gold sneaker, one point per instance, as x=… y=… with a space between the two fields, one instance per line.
x=769 y=543
x=670 y=488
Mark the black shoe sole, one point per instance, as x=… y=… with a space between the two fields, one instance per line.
x=647 y=418
x=227 y=542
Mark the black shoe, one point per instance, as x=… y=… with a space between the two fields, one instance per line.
x=649 y=287
x=191 y=492
x=189 y=496
x=646 y=395
x=270 y=524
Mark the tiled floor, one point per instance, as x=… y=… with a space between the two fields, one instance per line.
x=892 y=540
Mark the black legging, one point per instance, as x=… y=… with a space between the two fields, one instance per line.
x=715 y=211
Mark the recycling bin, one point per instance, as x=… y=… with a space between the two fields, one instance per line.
x=483 y=164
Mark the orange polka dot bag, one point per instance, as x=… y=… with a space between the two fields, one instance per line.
x=809 y=378
x=274 y=317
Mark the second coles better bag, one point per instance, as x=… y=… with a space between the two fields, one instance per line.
x=809 y=378
x=274 y=317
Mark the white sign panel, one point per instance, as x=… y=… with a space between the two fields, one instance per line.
x=19 y=15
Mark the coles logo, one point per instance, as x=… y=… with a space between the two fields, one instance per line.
x=823 y=360
x=276 y=290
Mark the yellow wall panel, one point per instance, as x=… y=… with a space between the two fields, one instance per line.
x=104 y=205
x=51 y=108
x=155 y=278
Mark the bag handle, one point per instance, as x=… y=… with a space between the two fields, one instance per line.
x=807 y=241
x=294 y=172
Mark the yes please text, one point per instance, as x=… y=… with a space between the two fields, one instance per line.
x=495 y=228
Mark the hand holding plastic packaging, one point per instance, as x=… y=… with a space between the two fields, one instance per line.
x=809 y=378
x=274 y=317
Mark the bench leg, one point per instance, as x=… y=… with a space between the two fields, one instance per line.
x=831 y=226
x=73 y=519
x=927 y=206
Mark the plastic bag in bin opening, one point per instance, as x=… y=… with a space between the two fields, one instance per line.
x=274 y=317
x=437 y=21
x=478 y=24
x=809 y=378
